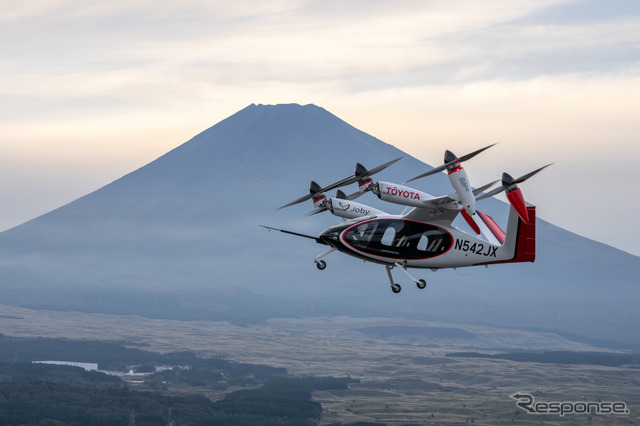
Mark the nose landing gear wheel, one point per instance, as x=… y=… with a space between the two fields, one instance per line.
x=321 y=264
x=421 y=284
x=396 y=288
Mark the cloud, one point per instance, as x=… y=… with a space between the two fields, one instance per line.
x=587 y=126
x=349 y=46
x=124 y=81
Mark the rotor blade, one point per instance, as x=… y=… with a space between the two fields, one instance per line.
x=316 y=211
x=343 y=182
x=346 y=181
x=515 y=181
x=492 y=193
x=342 y=196
x=383 y=166
x=353 y=196
x=474 y=153
x=528 y=175
x=431 y=172
x=484 y=188
x=299 y=200
x=445 y=165
x=338 y=184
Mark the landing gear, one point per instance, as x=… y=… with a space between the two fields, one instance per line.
x=321 y=264
x=396 y=287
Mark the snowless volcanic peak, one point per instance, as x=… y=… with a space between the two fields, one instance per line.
x=171 y=238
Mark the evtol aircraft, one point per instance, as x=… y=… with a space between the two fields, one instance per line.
x=424 y=237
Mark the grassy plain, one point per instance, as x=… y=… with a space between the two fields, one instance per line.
x=406 y=377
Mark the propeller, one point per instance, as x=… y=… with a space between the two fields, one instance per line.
x=361 y=175
x=317 y=190
x=340 y=195
x=514 y=195
x=450 y=162
x=484 y=187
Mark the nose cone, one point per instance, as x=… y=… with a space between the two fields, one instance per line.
x=331 y=235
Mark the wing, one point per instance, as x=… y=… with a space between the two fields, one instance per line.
x=443 y=208
x=428 y=214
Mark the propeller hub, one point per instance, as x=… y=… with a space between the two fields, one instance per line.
x=314 y=188
x=449 y=156
x=507 y=180
x=361 y=171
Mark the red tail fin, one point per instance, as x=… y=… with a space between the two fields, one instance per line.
x=526 y=246
x=524 y=241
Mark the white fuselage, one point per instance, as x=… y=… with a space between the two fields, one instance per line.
x=390 y=239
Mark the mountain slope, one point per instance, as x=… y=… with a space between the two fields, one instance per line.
x=178 y=236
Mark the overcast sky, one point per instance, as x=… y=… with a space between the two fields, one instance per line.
x=90 y=91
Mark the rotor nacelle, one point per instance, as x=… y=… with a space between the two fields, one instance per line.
x=317 y=194
x=363 y=176
x=451 y=160
x=460 y=183
x=348 y=209
x=458 y=177
x=515 y=197
x=399 y=194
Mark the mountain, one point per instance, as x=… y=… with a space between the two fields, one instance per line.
x=179 y=238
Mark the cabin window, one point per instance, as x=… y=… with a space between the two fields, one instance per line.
x=388 y=236
x=423 y=242
x=399 y=239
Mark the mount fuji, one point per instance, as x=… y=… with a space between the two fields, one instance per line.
x=179 y=238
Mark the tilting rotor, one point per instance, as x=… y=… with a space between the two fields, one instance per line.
x=514 y=195
x=362 y=175
x=451 y=162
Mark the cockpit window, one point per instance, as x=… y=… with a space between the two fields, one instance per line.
x=362 y=234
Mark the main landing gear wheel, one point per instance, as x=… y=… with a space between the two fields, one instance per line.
x=321 y=264
x=421 y=284
x=396 y=288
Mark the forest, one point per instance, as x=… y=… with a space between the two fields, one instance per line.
x=58 y=394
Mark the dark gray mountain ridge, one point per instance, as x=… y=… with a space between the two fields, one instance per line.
x=179 y=238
